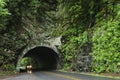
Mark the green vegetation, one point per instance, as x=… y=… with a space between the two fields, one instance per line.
x=26 y=61
x=20 y=23
x=94 y=25
x=106 y=46
x=88 y=28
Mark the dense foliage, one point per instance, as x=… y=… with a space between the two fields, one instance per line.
x=92 y=25
x=106 y=43
x=89 y=28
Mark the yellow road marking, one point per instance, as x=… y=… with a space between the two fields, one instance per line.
x=64 y=76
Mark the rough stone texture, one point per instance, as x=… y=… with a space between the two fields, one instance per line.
x=84 y=58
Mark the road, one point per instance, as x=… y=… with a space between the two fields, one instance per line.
x=56 y=75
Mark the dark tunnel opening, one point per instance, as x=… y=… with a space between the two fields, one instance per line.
x=44 y=58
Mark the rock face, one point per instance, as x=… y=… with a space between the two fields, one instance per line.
x=84 y=59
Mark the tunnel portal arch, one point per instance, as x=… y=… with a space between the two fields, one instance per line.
x=44 y=56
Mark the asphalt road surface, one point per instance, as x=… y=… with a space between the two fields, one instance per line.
x=56 y=75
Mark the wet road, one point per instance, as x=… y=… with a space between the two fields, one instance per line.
x=56 y=75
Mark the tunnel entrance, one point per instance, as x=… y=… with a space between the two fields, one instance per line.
x=42 y=58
